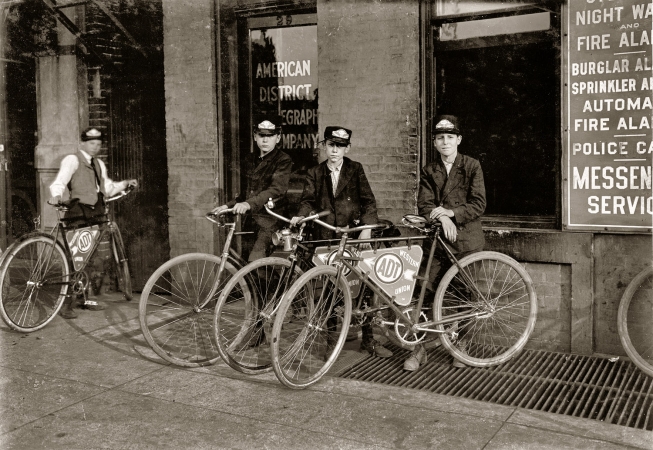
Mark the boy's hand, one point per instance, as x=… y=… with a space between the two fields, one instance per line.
x=295 y=219
x=438 y=212
x=449 y=228
x=132 y=183
x=241 y=208
x=217 y=210
x=365 y=234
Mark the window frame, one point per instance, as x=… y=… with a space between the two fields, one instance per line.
x=432 y=45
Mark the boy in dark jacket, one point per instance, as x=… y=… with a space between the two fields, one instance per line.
x=452 y=191
x=340 y=186
x=267 y=179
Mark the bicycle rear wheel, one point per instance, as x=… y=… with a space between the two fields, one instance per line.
x=120 y=263
x=176 y=308
x=245 y=311
x=34 y=278
x=635 y=320
x=310 y=327
x=499 y=293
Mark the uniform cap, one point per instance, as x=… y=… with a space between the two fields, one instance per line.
x=267 y=124
x=446 y=124
x=91 y=133
x=339 y=135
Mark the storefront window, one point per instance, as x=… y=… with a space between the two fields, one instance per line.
x=501 y=76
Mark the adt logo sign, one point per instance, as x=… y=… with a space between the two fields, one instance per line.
x=389 y=268
x=84 y=241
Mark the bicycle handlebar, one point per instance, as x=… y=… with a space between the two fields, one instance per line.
x=213 y=217
x=375 y=226
x=67 y=204
x=304 y=220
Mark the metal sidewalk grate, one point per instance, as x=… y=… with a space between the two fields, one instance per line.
x=580 y=386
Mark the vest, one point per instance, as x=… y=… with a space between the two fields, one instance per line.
x=82 y=184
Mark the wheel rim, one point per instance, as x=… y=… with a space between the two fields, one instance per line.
x=32 y=289
x=503 y=301
x=635 y=318
x=245 y=311
x=177 y=310
x=311 y=328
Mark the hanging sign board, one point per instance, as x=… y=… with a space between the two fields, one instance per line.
x=607 y=165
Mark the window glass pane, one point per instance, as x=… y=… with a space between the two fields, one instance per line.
x=284 y=81
x=494 y=27
x=456 y=7
x=506 y=92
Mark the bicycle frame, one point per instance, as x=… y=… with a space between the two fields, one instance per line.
x=342 y=262
x=59 y=231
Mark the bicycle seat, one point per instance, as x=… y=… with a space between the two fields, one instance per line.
x=414 y=219
x=389 y=229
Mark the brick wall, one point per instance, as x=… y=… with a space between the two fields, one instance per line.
x=191 y=124
x=368 y=81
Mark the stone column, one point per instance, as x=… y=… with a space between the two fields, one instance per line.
x=62 y=100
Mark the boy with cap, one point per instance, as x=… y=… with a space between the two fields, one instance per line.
x=86 y=178
x=452 y=191
x=268 y=179
x=340 y=186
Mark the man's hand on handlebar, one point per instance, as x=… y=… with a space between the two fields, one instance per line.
x=132 y=184
x=294 y=220
x=55 y=200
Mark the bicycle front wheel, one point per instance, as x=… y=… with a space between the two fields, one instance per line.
x=120 y=263
x=310 y=327
x=176 y=308
x=245 y=311
x=635 y=319
x=489 y=306
x=34 y=278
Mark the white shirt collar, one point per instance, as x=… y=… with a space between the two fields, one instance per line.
x=335 y=168
x=86 y=155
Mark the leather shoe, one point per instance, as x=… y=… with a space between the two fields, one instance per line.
x=374 y=347
x=92 y=304
x=416 y=358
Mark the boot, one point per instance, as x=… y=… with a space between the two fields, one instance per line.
x=416 y=358
x=371 y=345
x=67 y=311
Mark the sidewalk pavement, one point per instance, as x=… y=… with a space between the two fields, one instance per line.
x=92 y=382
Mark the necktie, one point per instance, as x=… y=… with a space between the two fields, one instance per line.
x=335 y=175
x=97 y=177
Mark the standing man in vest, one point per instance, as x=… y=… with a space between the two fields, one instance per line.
x=86 y=178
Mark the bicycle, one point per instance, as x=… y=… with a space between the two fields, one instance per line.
x=40 y=270
x=177 y=303
x=634 y=320
x=249 y=300
x=484 y=309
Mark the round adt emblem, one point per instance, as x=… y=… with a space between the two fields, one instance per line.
x=332 y=256
x=388 y=268
x=84 y=241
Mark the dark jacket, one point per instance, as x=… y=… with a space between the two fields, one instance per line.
x=353 y=199
x=267 y=178
x=463 y=192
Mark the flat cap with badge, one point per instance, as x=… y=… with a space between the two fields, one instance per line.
x=339 y=135
x=446 y=124
x=267 y=124
x=90 y=134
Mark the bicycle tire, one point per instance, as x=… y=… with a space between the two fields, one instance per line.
x=121 y=263
x=34 y=277
x=303 y=348
x=634 y=320
x=243 y=314
x=176 y=308
x=506 y=319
